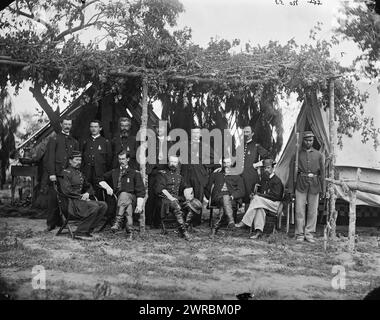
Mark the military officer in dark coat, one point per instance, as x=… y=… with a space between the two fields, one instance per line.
x=97 y=155
x=163 y=143
x=310 y=184
x=125 y=141
x=58 y=149
x=75 y=186
x=127 y=184
x=252 y=151
x=224 y=190
x=197 y=174
x=172 y=189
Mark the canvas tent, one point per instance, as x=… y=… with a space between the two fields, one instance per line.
x=353 y=155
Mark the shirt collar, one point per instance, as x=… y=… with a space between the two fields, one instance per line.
x=125 y=168
x=95 y=137
x=249 y=140
x=271 y=175
x=64 y=133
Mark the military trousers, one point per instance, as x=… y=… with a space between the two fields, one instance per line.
x=306 y=229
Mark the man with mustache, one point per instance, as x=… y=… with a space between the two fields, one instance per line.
x=97 y=155
x=170 y=187
x=163 y=143
x=75 y=186
x=225 y=190
x=269 y=196
x=125 y=141
x=58 y=148
x=252 y=151
x=129 y=188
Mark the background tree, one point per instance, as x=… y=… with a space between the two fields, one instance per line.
x=360 y=22
x=8 y=126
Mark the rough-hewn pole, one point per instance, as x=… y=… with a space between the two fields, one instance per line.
x=332 y=139
x=352 y=217
x=368 y=187
x=143 y=129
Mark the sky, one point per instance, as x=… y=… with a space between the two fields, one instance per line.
x=255 y=21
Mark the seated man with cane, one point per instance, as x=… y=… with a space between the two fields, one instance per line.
x=74 y=185
x=127 y=185
x=269 y=197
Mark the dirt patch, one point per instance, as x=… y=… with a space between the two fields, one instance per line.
x=156 y=266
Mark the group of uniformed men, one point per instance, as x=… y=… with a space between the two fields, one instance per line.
x=108 y=170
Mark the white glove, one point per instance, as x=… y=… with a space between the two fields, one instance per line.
x=85 y=196
x=139 y=206
x=106 y=186
x=53 y=177
x=188 y=193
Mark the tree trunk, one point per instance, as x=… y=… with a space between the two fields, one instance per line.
x=143 y=129
x=332 y=137
x=52 y=115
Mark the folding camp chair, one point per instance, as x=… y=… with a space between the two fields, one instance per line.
x=62 y=200
x=110 y=217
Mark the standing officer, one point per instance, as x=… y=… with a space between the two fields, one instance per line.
x=75 y=186
x=59 y=148
x=128 y=185
x=170 y=186
x=309 y=184
x=97 y=155
x=125 y=141
x=252 y=151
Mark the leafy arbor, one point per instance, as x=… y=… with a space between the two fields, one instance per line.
x=212 y=85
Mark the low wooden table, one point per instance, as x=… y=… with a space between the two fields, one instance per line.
x=23 y=171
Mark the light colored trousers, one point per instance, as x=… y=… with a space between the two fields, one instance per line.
x=312 y=212
x=256 y=211
x=124 y=204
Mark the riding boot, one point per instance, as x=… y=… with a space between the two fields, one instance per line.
x=118 y=220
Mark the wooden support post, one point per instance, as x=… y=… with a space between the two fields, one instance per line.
x=143 y=129
x=332 y=138
x=352 y=216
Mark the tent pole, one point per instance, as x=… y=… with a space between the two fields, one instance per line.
x=352 y=216
x=332 y=139
x=143 y=129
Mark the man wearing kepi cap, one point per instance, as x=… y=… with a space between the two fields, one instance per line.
x=75 y=186
x=310 y=183
x=269 y=196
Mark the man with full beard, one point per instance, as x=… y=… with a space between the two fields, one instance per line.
x=125 y=141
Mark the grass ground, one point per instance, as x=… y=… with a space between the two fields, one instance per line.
x=157 y=266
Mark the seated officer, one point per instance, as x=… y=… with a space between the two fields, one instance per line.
x=127 y=184
x=269 y=197
x=225 y=189
x=170 y=186
x=74 y=185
